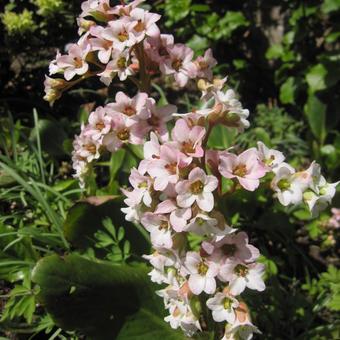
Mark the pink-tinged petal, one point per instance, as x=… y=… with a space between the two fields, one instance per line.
x=191 y=261
x=179 y=218
x=181 y=131
x=181 y=79
x=182 y=187
x=211 y=183
x=249 y=184
x=227 y=163
x=69 y=74
x=196 y=283
x=161 y=183
x=255 y=282
x=197 y=174
x=237 y=286
x=185 y=200
x=205 y=201
x=165 y=207
x=210 y=285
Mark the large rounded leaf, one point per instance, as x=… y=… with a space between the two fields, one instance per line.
x=100 y=300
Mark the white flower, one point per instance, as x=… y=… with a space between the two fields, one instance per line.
x=202 y=273
x=223 y=307
x=270 y=157
x=159 y=228
x=240 y=276
x=198 y=188
x=288 y=187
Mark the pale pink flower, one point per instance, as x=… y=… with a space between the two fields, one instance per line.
x=99 y=124
x=166 y=169
x=159 y=228
x=204 y=65
x=74 y=62
x=189 y=138
x=179 y=64
x=119 y=65
x=142 y=187
x=119 y=33
x=145 y=23
x=86 y=148
x=198 y=188
x=246 y=168
x=237 y=246
x=159 y=117
x=123 y=132
x=95 y=8
x=241 y=275
x=157 y=47
x=101 y=44
x=134 y=108
x=182 y=316
x=223 y=307
x=270 y=157
x=202 y=273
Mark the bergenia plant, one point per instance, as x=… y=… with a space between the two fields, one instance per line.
x=176 y=189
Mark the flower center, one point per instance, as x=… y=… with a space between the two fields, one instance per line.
x=203 y=65
x=202 y=268
x=91 y=148
x=139 y=27
x=283 y=184
x=164 y=225
x=197 y=187
x=172 y=168
x=162 y=51
x=123 y=134
x=176 y=64
x=187 y=147
x=154 y=120
x=129 y=111
x=227 y=303
x=240 y=170
x=241 y=270
x=270 y=160
x=78 y=62
x=100 y=126
x=229 y=249
x=121 y=62
x=143 y=185
x=123 y=36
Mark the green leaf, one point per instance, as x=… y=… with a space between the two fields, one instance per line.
x=274 y=52
x=221 y=137
x=329 y=6
x=177 y=10
x=315 y=111
x=147 y=325
x=105 y=298
x=85 y=218
x=316 y=78
x=287 y=91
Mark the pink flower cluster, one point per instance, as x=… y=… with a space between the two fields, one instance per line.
x=127 y=120
x=172 y=196
x=121 y=41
